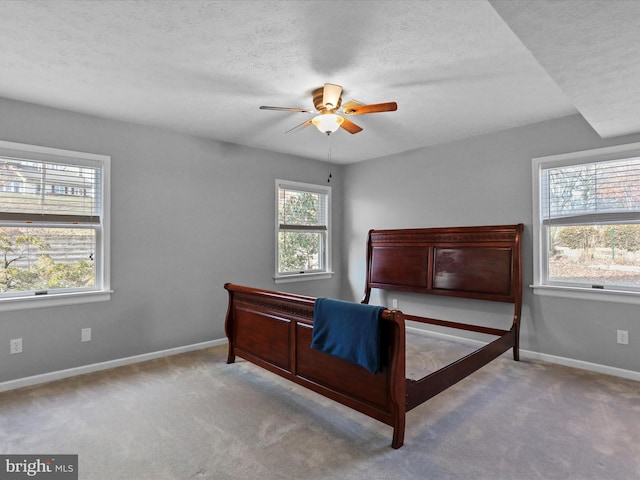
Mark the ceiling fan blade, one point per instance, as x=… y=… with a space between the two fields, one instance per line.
x=350 y=104
x=350 y=127
x=331 y=96
x=286 y=109
x=373 y=108
x=299 y=127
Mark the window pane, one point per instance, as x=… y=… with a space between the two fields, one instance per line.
x=591 y=188
x=301 y=208
x=595 y=254
x=33 y=187
x=43 y=258
x=300 y=251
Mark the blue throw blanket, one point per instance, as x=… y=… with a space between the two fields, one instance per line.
x=349 y=331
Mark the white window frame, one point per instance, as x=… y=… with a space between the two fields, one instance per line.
x=102 y=290
x=286 y=277
x=541 y=286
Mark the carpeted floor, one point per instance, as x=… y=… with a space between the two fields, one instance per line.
x=192 y=416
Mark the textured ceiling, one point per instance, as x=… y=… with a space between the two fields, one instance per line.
x=455 y=68
x=591 y=49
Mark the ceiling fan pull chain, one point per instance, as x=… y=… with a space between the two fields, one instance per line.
x=329 y=157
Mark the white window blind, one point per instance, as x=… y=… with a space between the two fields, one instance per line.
x=606 y=192
x=38 y=191
x=302 y=210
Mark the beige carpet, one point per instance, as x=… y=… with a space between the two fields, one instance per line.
x=192 y=416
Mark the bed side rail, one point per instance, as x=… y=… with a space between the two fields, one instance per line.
x=419 y=391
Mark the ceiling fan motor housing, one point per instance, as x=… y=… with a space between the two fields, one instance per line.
x=318 y=95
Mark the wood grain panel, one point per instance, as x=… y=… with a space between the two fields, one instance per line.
x=400 y=266
x=351 y=379
x=265 y=336
x=473 y=269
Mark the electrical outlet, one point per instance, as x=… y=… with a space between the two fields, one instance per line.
x=623 y=337
x=16 y=345
x=86 y=335
x=394 y=303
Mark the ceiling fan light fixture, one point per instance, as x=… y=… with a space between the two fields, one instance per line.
x=327 y=122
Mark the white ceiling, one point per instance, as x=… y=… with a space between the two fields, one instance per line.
x=455 y=68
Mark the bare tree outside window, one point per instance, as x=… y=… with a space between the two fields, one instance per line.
x=590 y=212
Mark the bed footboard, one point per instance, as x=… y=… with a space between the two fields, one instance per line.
x=274 y=330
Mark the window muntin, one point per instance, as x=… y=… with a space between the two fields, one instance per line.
x=53 y=222
x=302 y=229
x=587 y=220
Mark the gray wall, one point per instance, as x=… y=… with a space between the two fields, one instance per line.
x=485 y=180
x=212 y=205
x=188 y=215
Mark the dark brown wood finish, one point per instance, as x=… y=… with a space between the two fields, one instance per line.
x=273 y=329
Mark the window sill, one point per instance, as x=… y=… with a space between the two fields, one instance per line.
x=302 y=277
x=53 y=300
x=580 y=293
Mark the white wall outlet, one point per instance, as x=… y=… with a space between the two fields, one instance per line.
x=16 y=345
x=394 y=303
x=623 y=337
x=86 y=335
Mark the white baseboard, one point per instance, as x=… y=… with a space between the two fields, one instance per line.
x=528 y=354
x=95 y=367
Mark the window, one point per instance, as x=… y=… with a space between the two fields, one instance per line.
x=54 y=237
x=587 y=224
x=303 y=233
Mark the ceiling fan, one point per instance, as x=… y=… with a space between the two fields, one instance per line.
x=328 y=102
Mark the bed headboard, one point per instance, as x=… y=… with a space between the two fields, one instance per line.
x=472 y=262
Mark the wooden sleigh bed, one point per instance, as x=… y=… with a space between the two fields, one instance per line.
x=274 y=329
